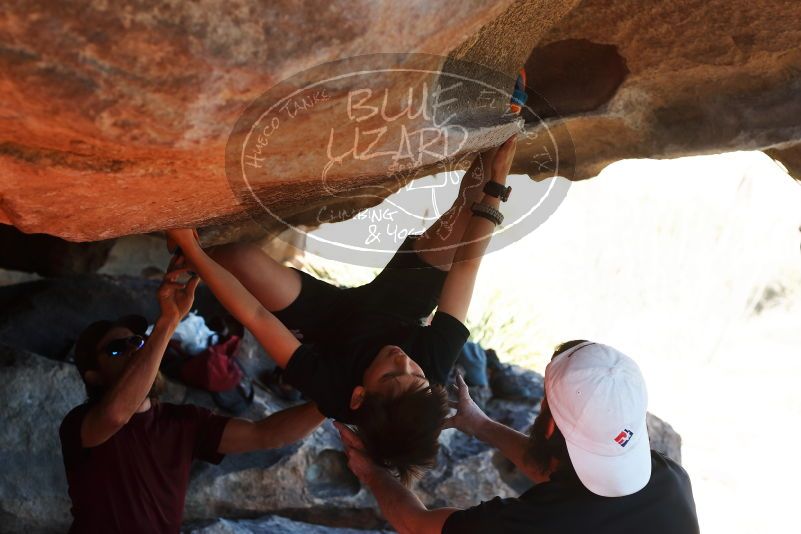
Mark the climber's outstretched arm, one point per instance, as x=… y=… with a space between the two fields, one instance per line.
x=458 y=289
x=276 y=339
x=437 y=246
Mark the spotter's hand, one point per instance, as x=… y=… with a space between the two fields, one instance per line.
x=176 y=298
x=469 y=416
x=358 y=461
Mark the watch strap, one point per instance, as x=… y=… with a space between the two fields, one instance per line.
x=494 y=189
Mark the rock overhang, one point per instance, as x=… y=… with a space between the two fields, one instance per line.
x=117 y=123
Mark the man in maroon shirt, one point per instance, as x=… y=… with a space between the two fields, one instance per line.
x=127 y=456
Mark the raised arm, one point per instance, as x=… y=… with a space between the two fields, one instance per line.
x=277 y=340
x=472 y=421
x=126 y=396
x=458 y=288
x=404 y=511
x=278 y=430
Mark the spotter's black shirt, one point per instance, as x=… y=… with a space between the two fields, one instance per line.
x=564 y=506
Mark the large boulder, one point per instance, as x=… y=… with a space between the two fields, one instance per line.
x=307 y=481
x=35 y=396
x=116 y=123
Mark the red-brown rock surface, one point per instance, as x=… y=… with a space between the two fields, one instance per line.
x=670 y=78
x=114 y=120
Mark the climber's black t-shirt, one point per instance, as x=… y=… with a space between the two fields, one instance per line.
x=343 y=328
x=136 y=481
x=328 y=372
x=564 y=506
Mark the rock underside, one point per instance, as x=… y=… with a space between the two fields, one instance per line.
x=115 y=121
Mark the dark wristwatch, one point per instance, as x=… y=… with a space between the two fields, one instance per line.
x=494 y=189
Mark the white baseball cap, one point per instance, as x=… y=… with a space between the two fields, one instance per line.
x=598 y=400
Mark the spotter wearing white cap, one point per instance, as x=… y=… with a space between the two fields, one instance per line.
x=598 y=399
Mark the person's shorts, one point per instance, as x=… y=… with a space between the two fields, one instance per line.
x=408 y=289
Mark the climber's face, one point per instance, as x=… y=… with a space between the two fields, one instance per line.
x=391 y=373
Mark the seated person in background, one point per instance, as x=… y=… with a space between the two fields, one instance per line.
x=588 y=454
x=363 y=355
x=126 y=455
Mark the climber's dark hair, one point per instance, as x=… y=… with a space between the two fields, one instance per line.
x=541 y=451
x=401 y=433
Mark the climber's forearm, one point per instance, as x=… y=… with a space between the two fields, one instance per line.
x=477 y=235
x=279 y=342
x=402 y=508
x=461 y=280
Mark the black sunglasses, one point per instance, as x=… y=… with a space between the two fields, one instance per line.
x=118 y=347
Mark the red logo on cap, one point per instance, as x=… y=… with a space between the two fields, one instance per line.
x=624 y=437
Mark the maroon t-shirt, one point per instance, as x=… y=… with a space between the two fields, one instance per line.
x=136 y=481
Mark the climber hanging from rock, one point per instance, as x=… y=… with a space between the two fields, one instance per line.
x=362 y=353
